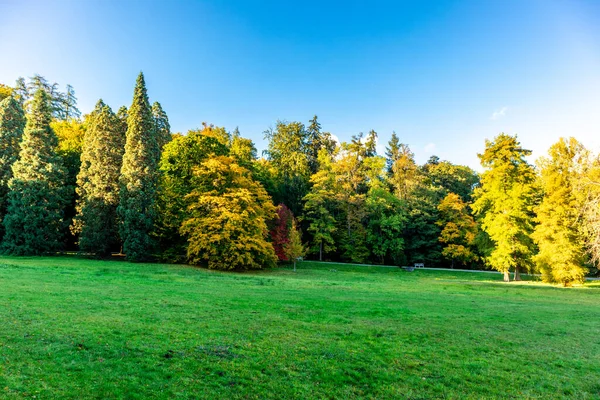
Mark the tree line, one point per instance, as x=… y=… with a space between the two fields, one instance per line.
x=122 y=182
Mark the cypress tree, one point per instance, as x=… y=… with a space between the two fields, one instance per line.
x=161 y=122
x=97 y=183
x=12 y=123
x=139 y=175
x=37 y=195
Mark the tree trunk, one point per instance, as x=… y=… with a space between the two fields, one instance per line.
x=516 y=275
x=321 y=251
x=506 y=276
x=452 y=264
x=294 y=265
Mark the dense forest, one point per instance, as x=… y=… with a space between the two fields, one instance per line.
x=121 y=182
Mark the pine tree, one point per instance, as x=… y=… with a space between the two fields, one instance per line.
x=161 y=121
x=392 y=153
x=36 y=199
x=69 y=105
x=505 y=202
x=12 y=123
x=98 y=183
x=20 y=92
x=558 y=235
x=139 y=175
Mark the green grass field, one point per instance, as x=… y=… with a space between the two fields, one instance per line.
x=75 y=329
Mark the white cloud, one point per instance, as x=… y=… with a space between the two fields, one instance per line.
x=499 y=113
x=429 y=148
x=337 y=139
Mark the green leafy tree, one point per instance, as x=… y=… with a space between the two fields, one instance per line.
x=319 y=207
x=287 y=152
x=386 y=222
x=243 y=150
x=98 y=183
x=36 y=199
x=459 y=230
x=12 y=123
x=505 y=202
x=350 y=189
x=405 y=175
x=178 y=160
x=139 y=176
x=451 y=178
x=228 y=210
x=558 y=234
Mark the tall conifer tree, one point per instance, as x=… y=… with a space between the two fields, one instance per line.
x=97 y=182
x=12 y=123
x=37 y=195
x=161 y=121
x=139 y=175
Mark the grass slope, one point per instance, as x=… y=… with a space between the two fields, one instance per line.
x=73 y=328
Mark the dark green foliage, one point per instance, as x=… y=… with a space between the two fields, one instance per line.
x=139 y=176
x=98 y=183
x=392 y=153
x=316 y=140
x=69 y=109
x=20 y=92
x=161 y=121
x=35 y=203
x=451 y=178
x=421 y=232
x=12 y=123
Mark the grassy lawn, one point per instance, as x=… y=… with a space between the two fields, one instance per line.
x=73 y=328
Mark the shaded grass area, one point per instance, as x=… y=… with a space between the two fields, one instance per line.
x=75 y=328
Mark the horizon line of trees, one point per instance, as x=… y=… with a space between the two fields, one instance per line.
x=121 y=182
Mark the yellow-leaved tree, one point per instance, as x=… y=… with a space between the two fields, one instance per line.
x=294 y=249
x=458 y=230
x=558 y=234
x=226 y=221
x=504 y=202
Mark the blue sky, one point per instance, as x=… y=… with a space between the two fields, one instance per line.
x=444 y=75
